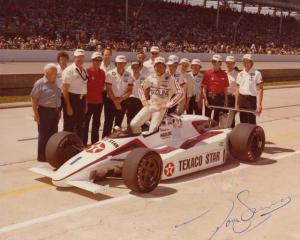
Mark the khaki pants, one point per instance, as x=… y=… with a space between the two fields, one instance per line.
x=148 y=112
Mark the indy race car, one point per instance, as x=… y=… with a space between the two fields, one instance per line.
x=182 y=145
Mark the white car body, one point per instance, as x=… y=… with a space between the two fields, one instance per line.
x=185 y=144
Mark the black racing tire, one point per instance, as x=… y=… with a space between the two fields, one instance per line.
x=142 y=170
x=61 y=147
x=247 y=142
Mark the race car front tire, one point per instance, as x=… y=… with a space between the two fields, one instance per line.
x=61 y=147
x=142 y=170
x=247 y=142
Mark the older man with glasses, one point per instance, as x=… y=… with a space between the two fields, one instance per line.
x=95 y=88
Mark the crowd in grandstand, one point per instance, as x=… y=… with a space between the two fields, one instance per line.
x=94 y=25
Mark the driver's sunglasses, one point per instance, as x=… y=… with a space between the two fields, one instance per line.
x=97 y=60
x=214 y=61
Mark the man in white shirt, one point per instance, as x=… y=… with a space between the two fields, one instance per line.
x=107 y=64
x=232 y=76
x=62 y=63
x=154 y=51
x=134 y=103
x=119 y=85
x=74 y=90
x=195 y=102
x=140 y=56
x=249 y=90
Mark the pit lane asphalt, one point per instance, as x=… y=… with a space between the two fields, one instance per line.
x=31 y=208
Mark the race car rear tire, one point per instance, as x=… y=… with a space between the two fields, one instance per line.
x=247 y=142
x=61 y=147
x=142 y=170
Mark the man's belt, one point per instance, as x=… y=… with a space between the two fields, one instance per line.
x=81 y=96
x=213 y=95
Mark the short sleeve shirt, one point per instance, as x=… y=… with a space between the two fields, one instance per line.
x=232 y=76
x=76 y=78
x=216 y=81
x=248 y=81
x=119 y=83
x=194 y=86
x=47 y=94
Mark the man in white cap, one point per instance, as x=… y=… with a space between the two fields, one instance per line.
x=74 y=90
x=154 y=51
x=195 y=102
x=164 y=93
x=95 y=88
x=249 y=90
x=46 y=101
x=214 y=85
x=232 y=75
x=119 y=85
x=172 y=64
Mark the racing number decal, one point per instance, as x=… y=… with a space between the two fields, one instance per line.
x=169 y=169
x=96 y=148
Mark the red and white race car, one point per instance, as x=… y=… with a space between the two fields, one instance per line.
x=182 y=145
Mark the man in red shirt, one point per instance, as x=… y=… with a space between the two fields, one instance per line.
x=95 y=88
x=214 y=87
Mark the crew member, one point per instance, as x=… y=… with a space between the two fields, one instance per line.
x=249 y=90
x=95 y=88
x=187 y=86
x=160 y=86
x=119 y=85
x=74 y=89
x=46 y=101
x=62 y=63
x=215 y=84
x=154 y=53
x=232 y=75
x=140 y=56
x=134 y=103
x=195 y=102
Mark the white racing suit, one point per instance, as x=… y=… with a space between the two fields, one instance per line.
x=161 y=91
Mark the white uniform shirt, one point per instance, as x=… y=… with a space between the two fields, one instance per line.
x=59 y=76
x=76 y=78
x=137 y=86
x=194 y=87
x=106 y=69
x=247 y=82
x=119 y=83
x=150 y=65
x=232 y=76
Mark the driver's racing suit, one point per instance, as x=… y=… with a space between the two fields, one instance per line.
x=162 y=88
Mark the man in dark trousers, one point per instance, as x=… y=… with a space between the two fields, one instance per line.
x=46 y=101
x=95 y=88
x=74 y=91
x=249 y=90
x=119 y=85
x=214 y=87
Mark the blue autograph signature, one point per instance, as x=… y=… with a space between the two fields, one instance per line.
x=249 y=219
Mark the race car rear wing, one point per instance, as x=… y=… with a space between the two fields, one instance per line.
x=227 y=117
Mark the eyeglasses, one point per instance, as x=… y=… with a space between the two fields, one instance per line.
x=97 y=60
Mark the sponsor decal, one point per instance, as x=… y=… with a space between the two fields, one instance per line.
x=197 y=161
x=169 y=169
x=161 y=92
x=189 y=163
x=112 y=142
x=96 y=148
x=165 y=132
x=212 y=157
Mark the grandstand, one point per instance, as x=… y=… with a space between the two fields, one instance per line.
x=175 y=27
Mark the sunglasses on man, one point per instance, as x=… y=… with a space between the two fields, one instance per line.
x=97 y=60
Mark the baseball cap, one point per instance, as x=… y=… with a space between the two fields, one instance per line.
x=196 y=62
x=79 y=52
x=120 y=59
x=230 y=59
x=217 y=58
x=159 y=60
x=247 y=57
x=49 y=66
x=173 y=58
x=184 y=60
x=135 y=62
x=154 y=49
x=96 y=55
